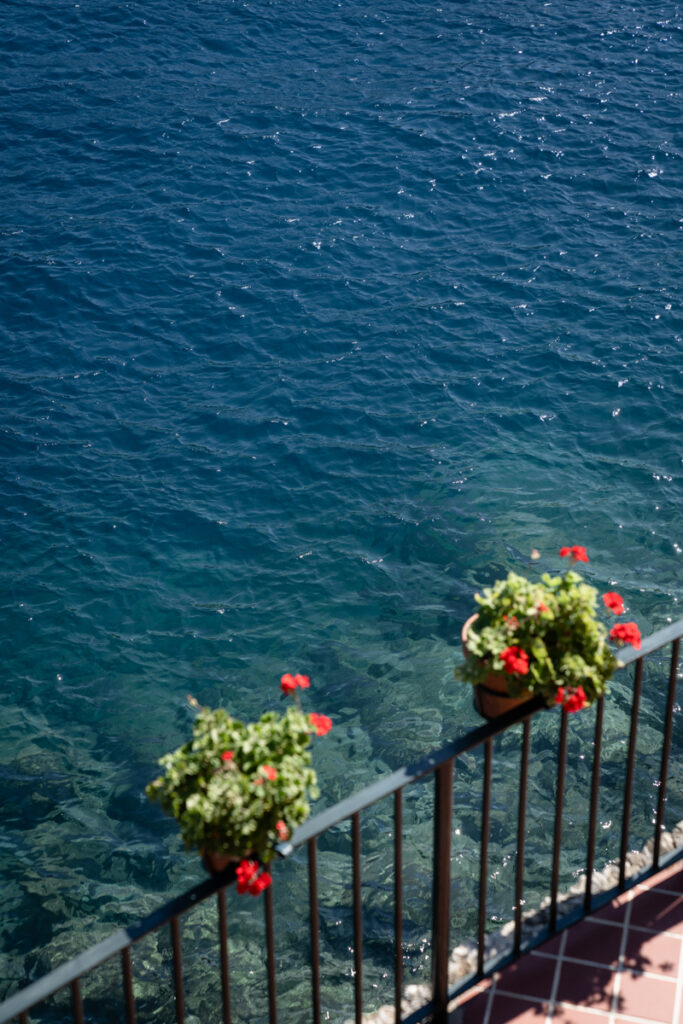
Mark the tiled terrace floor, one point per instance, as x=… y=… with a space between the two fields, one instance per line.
x=622 y=965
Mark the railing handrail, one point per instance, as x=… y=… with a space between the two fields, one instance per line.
x=66 y=974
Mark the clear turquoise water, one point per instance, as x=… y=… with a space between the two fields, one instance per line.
x=315 y=319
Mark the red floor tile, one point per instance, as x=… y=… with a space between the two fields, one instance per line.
x=594 y=940
x=658 y=911
x=572 y=1015
x=530 y=976
x=657 y=953
x=652 y=998
x=472 y=1011
x=515 y=1010
x=551 y=945
x=585 y=986
x=613 y=911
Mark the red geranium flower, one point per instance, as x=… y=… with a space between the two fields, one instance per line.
x=576 y=700
x=542 y=607
x=516 y=661
x=577 y=553
x=321 y=723
x=573 y=700
x=248 y=879
x=627 y=633
x=244 y=873
x=260 y=883
x=227 y=755
x=282 y=830
x=614 y=602
x=289 y=683
x=269 y=772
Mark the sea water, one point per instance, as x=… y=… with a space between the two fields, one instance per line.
x=316 y=318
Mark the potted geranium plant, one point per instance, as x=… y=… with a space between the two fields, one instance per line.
x=237 y=788
x=541 y=638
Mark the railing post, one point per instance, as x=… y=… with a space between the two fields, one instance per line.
x=314 y=926
x=666 y=751
x=593 y=814
x=357 y=919
x=177 y=971
x=398 y=901
x=223 y=952
x=441 y=901
x=76 y=1002
x=484 y=854
x=557 y=832
x=128 y=986
x=521 y=828
x=270 y=956
x=630 y=764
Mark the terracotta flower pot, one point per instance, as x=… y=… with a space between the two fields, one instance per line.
x=216 y=863
x=491 y=698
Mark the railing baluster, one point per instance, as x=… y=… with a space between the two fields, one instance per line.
x=557 y=834
x=23 y=1018
x=593 y=814
x=441 y=899
x=521 y=828
x=484 y=856
x=357 y=919
x=223 y=952
x=76 y=1001
x=128 y=995
x=314 y=927
x=178 y=971
x=628 y=788
x=270 y=956
x=666 y=750
x=398 y=901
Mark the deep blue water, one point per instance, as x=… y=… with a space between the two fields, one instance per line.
x=315 y=318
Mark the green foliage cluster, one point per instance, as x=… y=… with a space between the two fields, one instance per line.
x=231 y=805
x=554 y=622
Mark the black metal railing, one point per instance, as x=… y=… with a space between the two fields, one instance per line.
x=441 y=765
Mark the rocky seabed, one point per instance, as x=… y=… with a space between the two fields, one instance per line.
x=463 y=959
